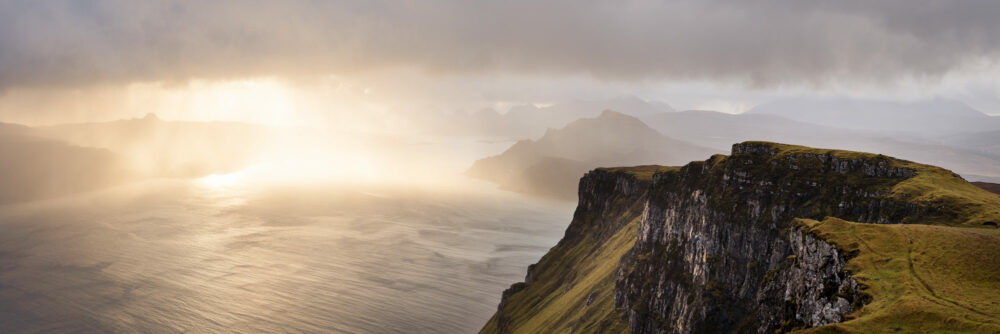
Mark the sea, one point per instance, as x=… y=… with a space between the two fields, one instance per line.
x=211 y=256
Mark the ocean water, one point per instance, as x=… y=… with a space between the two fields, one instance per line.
x=186 y=256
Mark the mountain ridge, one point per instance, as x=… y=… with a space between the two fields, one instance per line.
x=922 y=117
x=968 y=154
x=587 y=143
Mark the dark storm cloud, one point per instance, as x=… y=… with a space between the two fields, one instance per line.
x=755 y=42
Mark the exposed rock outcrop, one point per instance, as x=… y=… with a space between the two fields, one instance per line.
x=718 y=246
x=716 y=250
x=794 y=288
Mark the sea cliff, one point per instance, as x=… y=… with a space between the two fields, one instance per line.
x=718 y=245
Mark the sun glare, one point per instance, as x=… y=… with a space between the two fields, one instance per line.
x=268 y=101
x=221 y=180
x=264 y=101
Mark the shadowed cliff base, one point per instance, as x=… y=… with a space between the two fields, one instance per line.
x=721 y=245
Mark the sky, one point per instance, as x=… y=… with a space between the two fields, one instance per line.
x=299 y=61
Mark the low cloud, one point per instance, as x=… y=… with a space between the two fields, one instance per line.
x=761 y=43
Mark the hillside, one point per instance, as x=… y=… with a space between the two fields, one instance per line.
x=759 y=241
x=51 y=161
x=552 y=164
x=537 y=119
x=920 y=278
x=36 y=168
x=168 y=148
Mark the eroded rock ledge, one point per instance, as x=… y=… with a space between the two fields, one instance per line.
x=717 y=247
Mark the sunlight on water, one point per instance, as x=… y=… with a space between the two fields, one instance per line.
x=219 y=254
x=223 y=190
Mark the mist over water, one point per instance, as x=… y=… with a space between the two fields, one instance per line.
x=209 y=256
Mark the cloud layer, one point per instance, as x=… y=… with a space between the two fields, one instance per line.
x=771 y=43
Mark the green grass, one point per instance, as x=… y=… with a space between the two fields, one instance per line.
x=567 y=311
x=644 y=173
x=788 y=149
x=934 y=186
x=963 y=203
x=556 y=302
x=921 y=278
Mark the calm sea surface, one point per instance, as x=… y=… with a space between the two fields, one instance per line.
x=186 y=256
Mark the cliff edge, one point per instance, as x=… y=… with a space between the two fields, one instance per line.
x=770 y=238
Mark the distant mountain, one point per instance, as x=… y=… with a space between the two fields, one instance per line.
x=541 y=118
x=966 y=154
x=530 y=121
x=987 y=143
x=553 y=164
x=720 y=130
x=168 y=148
x=926 y=118
x=36 y=168
x=14 y=129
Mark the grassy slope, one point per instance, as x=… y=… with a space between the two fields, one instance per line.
x=567 y=276
x=568 y=311
x=554 y=305
x=922 y=278
x=642 y=172
x=970 y=205
x=939 y=274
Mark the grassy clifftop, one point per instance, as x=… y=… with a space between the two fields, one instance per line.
x=932 y=266
x=921 y=278
x=642 y=173
x=960 y=203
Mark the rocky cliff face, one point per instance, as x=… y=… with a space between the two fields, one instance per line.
x=716 y=250
x=717 y=247
x=810 y=289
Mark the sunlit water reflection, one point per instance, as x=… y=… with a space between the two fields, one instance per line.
x=211 y=256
